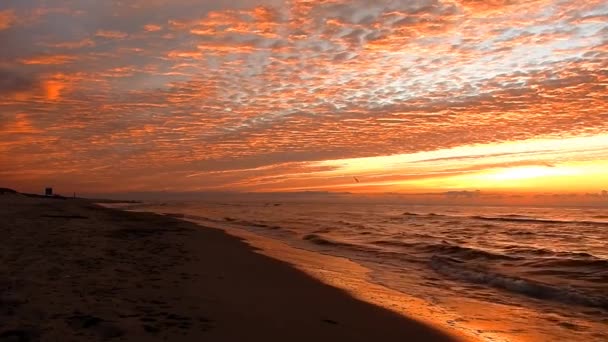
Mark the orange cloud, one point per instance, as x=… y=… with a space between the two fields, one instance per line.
x=21 y=124
x=53 y=89
x=55 y=86
x=152 y=28
x=185 y=54
x=48 y=60
x=109 y=34
x=7 y=19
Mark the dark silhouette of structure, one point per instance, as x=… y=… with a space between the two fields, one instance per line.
x=48 y=192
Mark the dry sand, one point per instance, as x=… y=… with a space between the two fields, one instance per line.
x=73 y=271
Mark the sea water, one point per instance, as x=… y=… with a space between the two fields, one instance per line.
x=502 y=273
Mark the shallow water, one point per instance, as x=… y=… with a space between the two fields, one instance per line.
x=514 y=274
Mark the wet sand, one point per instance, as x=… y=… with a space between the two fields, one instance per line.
x=74 y=271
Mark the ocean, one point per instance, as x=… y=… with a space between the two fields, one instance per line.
x=495 y=273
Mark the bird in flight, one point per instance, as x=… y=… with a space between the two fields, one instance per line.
x=356 y=180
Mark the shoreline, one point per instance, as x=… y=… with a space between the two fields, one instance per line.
x=470 y=311
x=73 y=270
x=355 y=279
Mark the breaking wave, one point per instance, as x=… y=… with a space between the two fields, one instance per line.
x=534 y=289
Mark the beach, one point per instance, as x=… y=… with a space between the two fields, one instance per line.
x=486 y=273
x=74 y=271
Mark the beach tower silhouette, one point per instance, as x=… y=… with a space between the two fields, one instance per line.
x=48 y=192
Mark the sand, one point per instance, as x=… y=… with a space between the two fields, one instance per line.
x=73 y=271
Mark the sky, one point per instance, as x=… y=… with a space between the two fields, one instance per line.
x=417 y=96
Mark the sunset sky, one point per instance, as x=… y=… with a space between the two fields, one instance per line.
x=411 y=96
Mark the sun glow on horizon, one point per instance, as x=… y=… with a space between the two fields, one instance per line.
x=536 y=164
x=568 y=177
x=526 y=172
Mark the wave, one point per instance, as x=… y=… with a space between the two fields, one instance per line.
x=446 y=249
x=524 y=219
x=320 y=240
x=250 y=223
x=393 y=243
x=230 y=220
x=465 y=253
x=544 y=252
x=436 y=215
x=579 y=264
x=429 y=215
x=519 y=233
x=530 y=288
x=352 y=225
x=515 y=218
